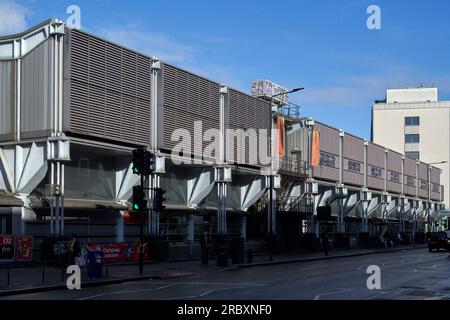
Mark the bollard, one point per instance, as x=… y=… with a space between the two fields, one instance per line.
x=43 y=272
x=8 y=279
x=106 y=271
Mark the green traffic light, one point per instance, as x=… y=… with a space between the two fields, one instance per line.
x=136 y=170
x=136 y=207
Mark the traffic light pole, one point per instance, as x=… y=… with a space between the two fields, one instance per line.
x=141 y=245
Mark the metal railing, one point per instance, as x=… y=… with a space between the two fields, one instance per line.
x=290 y=110
x=296 y=205
x=292 y=166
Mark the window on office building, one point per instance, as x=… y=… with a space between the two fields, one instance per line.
x=412 y=121
x=413 y=155
x=412 y=138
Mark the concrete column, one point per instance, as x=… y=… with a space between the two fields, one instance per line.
x=221 y=208
x=274 y=211
x=190 y=228
x=311 y=220
x=402 y=219
x=317 y=229
x=365 y=221
x=18 y=225
x=244 y=227
x=120 y=227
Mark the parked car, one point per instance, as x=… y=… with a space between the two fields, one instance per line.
x=439 y=240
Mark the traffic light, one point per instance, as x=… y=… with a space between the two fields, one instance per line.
x=139 y=202
x=148 y=163
x=143 y=162
x=138 y=161
x=159 y=200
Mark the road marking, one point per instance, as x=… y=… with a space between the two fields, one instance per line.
x=92 y=297
x=206 y=293
x=379 y=294
x=330 y=293
x=181 y=298
x=124 y=292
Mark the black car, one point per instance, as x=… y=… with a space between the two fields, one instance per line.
x=438 y=240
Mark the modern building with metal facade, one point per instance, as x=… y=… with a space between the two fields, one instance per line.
x=74 y=106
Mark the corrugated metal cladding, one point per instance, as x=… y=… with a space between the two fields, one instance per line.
x=410 y=167
x=435 y=175
x=107 y=90
x=37 y=89
x=394 y=165
x=353 y=160
x=189 y=101
x=7 y=80
x=394 y=161
x=423 y=177
x=423 y=171
x=247 y=112
x=410 y=177
x=329 y=144
x=435 y=180
x=329 y=138
x=375 y=166
x=298 y=139
x=375 y=155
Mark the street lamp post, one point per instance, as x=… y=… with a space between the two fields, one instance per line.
x=271 y=209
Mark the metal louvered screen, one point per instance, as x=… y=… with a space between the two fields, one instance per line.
x=188 y=98
x=108 y=90
x=247 y=112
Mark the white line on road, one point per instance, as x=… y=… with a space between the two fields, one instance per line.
x=206 y=293
x=125 y=292
x=331 y=293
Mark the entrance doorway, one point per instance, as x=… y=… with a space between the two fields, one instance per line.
x=5 y=223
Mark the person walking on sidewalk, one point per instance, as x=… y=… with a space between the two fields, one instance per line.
x=204 y=245
x=74 y=249
x=325 y=243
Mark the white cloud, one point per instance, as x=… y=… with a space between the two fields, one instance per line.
x=13 y=17
x=193 y=52
x=150 y=43
x=356 y=90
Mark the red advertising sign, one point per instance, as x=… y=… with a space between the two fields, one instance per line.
x=24 y=248
x=7 y=248
x=118 y=252
x=111 y=252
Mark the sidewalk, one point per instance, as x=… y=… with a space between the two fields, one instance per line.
x=35 y=279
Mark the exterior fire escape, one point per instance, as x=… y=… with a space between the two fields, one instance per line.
x=292 y=172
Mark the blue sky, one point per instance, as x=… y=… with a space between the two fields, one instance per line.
x=322 y=45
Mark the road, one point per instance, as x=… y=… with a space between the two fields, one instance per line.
x=406 y=275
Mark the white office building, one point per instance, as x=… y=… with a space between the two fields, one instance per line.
x=414 y=122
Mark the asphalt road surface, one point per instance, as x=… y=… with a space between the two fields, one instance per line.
x=406 y=275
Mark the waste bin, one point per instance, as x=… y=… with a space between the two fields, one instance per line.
x=94 y=264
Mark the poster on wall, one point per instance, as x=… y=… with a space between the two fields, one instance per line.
x=114 y=252
x=24 y=248
x=7 y=246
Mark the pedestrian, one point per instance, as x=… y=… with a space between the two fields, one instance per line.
x=399 y=239
x=325 y=243
x=74 y=249
x=204 y=245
